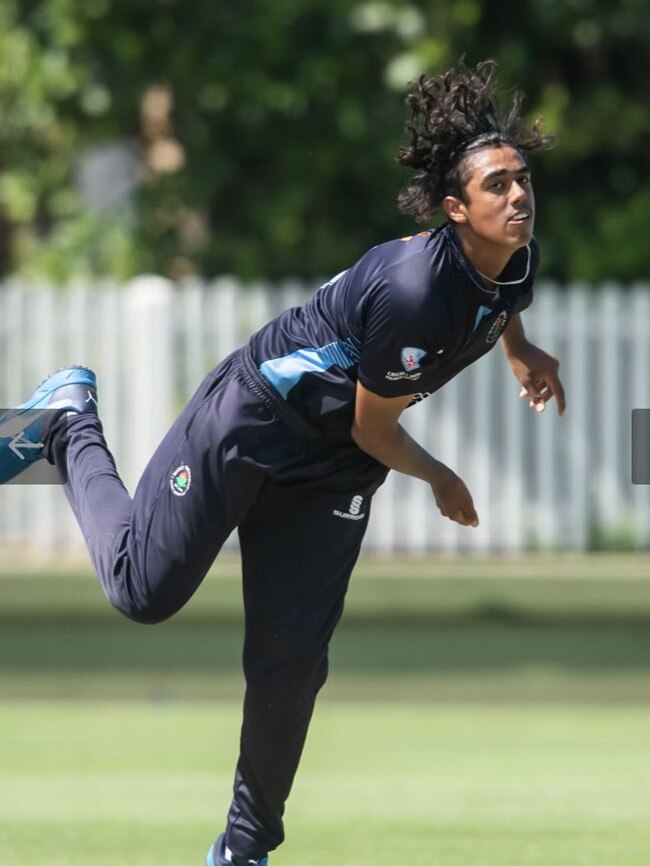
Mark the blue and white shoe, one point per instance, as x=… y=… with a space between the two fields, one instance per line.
x=24 y=430
x=220 y=855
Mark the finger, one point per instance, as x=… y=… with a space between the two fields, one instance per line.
x=538 y=403
x=553 y=389
x=558 y=392
x=466 y=517
x=529 y=389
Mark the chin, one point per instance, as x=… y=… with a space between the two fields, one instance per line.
x=518 y=240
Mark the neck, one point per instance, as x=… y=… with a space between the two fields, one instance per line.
x=490 y=259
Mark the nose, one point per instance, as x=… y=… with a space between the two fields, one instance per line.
x=519 y=192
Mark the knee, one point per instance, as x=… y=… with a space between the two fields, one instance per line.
x=140 y=596
x=147 y=611
x=146 y=615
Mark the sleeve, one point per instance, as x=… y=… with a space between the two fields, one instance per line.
x=398 y=344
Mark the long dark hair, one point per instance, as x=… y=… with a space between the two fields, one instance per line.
x=451 y=115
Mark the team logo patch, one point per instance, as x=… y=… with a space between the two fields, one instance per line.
x=181 y=480
x=497 y=327
x=411 y=358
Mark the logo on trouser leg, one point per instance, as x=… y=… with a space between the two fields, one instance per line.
x=353 y=512
x=181 y=480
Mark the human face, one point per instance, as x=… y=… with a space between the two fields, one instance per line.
x=498 y=210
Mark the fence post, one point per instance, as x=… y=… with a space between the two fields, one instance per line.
x=149 y=380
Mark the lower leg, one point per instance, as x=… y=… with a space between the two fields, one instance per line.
x=99 y=500
x=280 y=696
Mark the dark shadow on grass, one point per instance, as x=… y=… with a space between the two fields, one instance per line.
x=359 y=646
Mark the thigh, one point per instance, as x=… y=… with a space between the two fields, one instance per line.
x=197 y=487
x=299 y=546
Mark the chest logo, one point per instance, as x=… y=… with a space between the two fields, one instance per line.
x=411 y=358
x=497 y=327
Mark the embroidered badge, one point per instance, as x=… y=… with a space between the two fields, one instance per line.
x=411 y=358
x=497 y=327
x=181 y=480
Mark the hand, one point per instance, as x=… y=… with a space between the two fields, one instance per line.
x=538 y=373
x=453 y=498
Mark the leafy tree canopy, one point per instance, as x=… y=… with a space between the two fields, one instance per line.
x=259 y=137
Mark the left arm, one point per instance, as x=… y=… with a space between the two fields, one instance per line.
x=534 y=368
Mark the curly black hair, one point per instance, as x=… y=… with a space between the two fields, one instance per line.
x=453 y=114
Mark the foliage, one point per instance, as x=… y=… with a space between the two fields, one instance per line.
x=274 y=153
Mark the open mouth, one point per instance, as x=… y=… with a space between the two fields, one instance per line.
x=521 y=217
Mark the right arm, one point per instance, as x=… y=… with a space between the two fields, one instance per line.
x=376 y=430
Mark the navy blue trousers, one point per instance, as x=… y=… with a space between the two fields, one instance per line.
x=301 y=505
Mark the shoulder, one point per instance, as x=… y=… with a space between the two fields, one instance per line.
x=403 y=302
x=406 y=267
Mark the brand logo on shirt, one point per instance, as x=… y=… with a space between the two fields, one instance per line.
x=497 y=327
x=411 y=358
x=395 y=377
x=354 y=510
x=181 y=480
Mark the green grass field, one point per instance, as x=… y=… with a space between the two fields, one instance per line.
x=147 y=785
x=477 y=714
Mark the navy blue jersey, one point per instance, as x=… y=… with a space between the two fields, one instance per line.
x=405 y=319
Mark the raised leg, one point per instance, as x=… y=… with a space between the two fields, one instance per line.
x=152 y=552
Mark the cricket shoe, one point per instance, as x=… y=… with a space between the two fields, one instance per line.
x=24 y=430
x=220 y=855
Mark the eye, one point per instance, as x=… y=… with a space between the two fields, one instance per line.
x=496 y=185
x=524 y=179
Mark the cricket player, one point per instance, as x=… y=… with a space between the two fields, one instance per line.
x=289 y=437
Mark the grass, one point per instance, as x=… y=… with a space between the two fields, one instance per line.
x=148 y=785
x=413 y=662
x=478 y=713
x=551 y=585
x=460 y=630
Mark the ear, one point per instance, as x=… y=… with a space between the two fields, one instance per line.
x=455 y=209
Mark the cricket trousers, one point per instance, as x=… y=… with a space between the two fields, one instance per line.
x=235 y=457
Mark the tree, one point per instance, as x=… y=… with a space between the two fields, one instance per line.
x=264 y=132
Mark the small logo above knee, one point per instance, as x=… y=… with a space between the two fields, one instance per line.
x=354 y=510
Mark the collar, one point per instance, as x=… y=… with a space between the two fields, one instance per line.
x=487 y=296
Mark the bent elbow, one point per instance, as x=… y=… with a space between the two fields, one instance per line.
x=371 y=443
x=359 y=436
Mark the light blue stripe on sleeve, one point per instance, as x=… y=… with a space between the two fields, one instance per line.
x=481 y=314
x=283 y=373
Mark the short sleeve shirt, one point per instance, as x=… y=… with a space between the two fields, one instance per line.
x=405 y=319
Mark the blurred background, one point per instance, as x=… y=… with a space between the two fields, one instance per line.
x=259 y=138
x=244 y=155
x=172 y=175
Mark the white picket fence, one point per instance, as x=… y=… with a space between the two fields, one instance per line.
x=538 y=481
